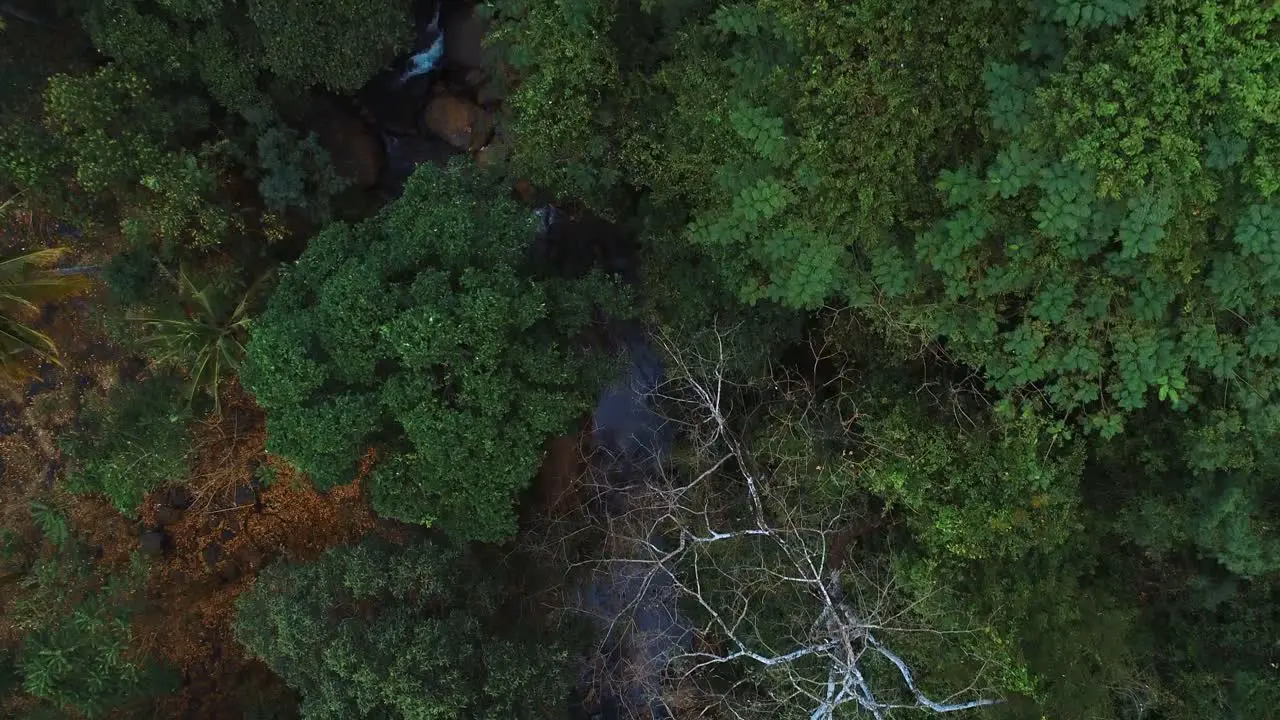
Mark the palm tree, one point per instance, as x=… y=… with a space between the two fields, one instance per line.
x=206 y=339
x=26 y=283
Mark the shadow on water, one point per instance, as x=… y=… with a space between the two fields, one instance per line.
x=634 y=608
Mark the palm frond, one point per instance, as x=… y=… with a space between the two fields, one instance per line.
x=34 y=292
x=18 y=265
x=25 y=285
x=4 y=206
x=207 y=342
x=16 y=337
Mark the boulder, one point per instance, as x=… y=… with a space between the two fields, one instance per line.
x=458 y=121
x=464 y=38
x=166 y=515
x=245 y=495
x=353 y=146
x=212 y=554
x=153 y=543
x=490 y=92
x=178 y=497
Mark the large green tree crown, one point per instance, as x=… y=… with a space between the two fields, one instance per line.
x=419 y=333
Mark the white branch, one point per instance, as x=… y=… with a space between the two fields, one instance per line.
x=823 y=662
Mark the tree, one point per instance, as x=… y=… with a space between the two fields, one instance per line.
x=24 y=287
x=231 y=46
x=335 y=43
x=741 y=540
x=419 y=333
x=382 y=631
x=203 y=334
x=1114 y=245
x=119 y=137
x=569 y=76
x=294 y=172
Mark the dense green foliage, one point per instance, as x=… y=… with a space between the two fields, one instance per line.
x=294 y=172
x=336 y=43
x=77 y=649
x=228 y=46
x=984 y=295
x=1050 y=193
x=415 y=333
x=131 y=442
x=380 y=631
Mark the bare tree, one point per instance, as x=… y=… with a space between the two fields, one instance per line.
x=732 y=544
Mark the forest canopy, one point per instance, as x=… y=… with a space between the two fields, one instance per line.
x=630 y=358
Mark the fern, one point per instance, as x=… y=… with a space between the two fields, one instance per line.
x=1143 y=225
x=1089 y=14
x=1010 y=87
x=738 y=20
x=51 y=523
x=763 y=131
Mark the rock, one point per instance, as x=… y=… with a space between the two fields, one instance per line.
x=245 y=495
x=212 y=554
x=153 y=543
x=464 y=38
x=490 y=93
x=354 y=147
x=250 y=559
x=404 y=154
x=166 y=515
x=229 y=572
x=458 y=121
x=178 y=497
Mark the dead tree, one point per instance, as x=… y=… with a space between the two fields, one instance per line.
x=801 y=632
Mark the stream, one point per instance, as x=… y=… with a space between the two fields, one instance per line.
x=634 y=607
x=631 y=439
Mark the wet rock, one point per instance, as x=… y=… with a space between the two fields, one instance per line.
x=245 y=495
x=464 y=38
x=178 y=497
x=474 y=79
x=354 y=147
x=250 y=559
x=153 y=543
x=405 y=153
x=396 y=107
x=166 y=515
x=229 y=572
x=458 y=121
x=212 y=554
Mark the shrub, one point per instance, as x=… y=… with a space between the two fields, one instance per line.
x=131 y=442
